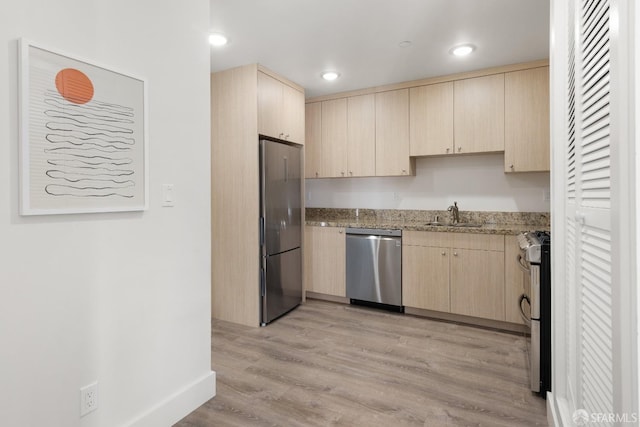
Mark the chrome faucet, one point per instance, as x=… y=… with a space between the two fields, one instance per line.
x=455 y=214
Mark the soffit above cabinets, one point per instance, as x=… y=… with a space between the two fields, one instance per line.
x=361 y=38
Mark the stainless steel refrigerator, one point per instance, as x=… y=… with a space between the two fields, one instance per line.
x=280 y=228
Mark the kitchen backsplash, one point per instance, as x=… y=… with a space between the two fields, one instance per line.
x=476 y=182
x=482 y=217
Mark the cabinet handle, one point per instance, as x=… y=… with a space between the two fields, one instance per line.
x=448 y=150
x=404 y=171
x=511 y=167
x=351 y=173
x=443 y=253
x=459 y=149
x=316 y=174
x=455 y=254
x=281 y=135
x=286 y=136
x=342 y=173
x=340 y=231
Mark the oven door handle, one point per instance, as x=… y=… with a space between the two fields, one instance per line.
x=526 y=319
x=522 y=264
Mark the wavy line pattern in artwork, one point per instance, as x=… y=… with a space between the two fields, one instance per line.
x=89 y=149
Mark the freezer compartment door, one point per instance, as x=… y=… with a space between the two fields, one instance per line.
x=282 y=290
x=374 y=266
x=281 y=202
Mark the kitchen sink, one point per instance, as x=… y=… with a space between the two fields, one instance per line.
x=467 y=224
x=436 y=224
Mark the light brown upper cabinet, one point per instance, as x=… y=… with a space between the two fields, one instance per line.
x=431 y=119
x=293 y=117
x=361 y=135
x=313 y=140
x=334 y=138
x=479 y=114
x=280 y=109
x=392 y=134
x=341 y=137
x=526 y=133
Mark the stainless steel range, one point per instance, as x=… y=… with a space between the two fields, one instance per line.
x=535 y=259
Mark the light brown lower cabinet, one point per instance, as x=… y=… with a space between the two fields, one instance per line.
x=425 y=277
x=477 y=283
x=460 y=273
x=324 y=260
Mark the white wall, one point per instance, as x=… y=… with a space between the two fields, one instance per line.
x=477 y=183
x=120 y=298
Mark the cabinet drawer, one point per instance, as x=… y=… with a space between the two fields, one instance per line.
x=426 y=238
x=485 y=242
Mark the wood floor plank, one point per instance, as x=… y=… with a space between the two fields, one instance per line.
x=328 y=364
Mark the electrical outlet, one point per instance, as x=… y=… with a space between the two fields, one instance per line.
x=88 y=398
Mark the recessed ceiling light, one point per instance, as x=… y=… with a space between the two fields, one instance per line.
x=462 y=50
x=405 y=43
x=330 y=75
x=217 y=39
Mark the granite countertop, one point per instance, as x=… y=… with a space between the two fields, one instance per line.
x=491 y=222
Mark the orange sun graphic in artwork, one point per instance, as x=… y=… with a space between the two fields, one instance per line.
x=74 y=86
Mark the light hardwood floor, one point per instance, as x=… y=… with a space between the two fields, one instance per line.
x=327 y=364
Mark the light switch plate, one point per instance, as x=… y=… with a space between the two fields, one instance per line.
x=168 y=195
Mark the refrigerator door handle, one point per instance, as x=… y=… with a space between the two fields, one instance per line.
x=286 y=169
x=261 y=231
x=263 y=283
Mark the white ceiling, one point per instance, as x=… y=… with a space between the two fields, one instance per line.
x=359 y=38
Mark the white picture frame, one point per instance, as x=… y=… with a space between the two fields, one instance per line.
x=83 y=136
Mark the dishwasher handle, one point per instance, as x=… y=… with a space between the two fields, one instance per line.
x=374 y=232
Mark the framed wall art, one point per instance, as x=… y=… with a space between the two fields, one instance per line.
x=83 y=136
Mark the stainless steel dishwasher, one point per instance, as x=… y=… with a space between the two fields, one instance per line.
x=374 y=267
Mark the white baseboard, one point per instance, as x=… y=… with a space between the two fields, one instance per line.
x=179 y=405
x=552 y=415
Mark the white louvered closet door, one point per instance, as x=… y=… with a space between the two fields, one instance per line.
x=589 y=332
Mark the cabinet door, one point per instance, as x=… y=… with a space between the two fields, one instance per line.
x=479 y=114
x=392 y=133
x=325 y=260
x=293 y=114
x=526 y=132
x=269 y=106
x=514 y=280
x=477 y=283
x=361 y=135
x=334 y=138
x=313 y=140
x=431 y=119
x=425 y=277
